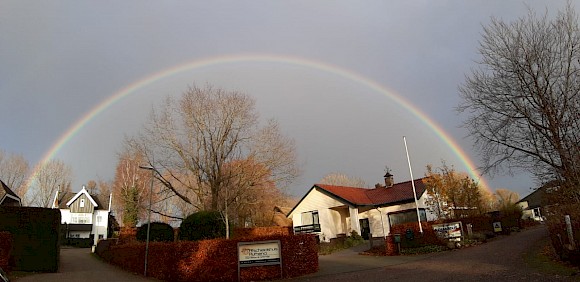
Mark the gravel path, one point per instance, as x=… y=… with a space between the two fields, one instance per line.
x=81 y=265
x=498 y=260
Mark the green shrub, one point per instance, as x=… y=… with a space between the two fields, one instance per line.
x=160 y=232
x=202 y=225
x=353 y=240
x=423 y=250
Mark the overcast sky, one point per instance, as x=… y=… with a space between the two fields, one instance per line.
x=61 y=59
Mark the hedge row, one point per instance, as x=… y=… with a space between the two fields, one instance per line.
x=429 y=237
x=5 y=249
x=262 y=231
x=35 y=234
x=211 y=260
x=128 y=235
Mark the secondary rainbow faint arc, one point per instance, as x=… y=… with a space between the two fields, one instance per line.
x=230 y=59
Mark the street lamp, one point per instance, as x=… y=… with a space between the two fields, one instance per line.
x=152 y=169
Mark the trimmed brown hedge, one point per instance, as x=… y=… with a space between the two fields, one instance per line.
x=5 y=249
x=128 y=235
x=35 y=234
x=429 y=237
x=262 y=231
x=212 y=260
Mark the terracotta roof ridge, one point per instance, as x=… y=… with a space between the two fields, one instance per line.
x=342 y=186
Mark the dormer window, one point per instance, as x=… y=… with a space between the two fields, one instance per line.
x=82 y=204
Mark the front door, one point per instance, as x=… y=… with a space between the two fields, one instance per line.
x=365 y=228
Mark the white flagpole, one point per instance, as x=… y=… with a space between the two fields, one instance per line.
x=413 y=184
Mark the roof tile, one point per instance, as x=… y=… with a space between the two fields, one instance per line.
x=399 y=192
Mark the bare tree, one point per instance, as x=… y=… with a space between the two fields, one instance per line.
x=193 y=139
x=104 y=187
x=50 y=177
x=523 y=100
x=92 y=187
x=506 y=199
x=341 y=179
x=13 y=171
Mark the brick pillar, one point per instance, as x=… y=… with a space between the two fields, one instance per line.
x=391 y=246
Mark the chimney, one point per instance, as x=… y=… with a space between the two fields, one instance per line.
x=388 y=180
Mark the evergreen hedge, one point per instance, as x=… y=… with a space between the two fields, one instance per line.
x=160 y=232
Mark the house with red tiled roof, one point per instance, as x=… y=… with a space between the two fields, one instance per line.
x=334 y=211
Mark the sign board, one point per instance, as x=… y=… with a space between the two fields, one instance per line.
x=497 y=226
x=451 y=231
x=259 y=253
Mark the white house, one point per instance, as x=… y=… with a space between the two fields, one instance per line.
x=85 y=215
x=334 y=211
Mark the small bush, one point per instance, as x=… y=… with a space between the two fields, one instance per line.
x=202 y=225
x=343 y=243
x=353 y=240
x=423 y=250
x=478 y=236
x=160 y=232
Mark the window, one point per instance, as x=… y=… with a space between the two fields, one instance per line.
x=100 y=220
x=81 y=218
x=537 y=212
x=310 y=223
x=101 y=236
x=82 y=204
x=309 y=218
x=406 y=216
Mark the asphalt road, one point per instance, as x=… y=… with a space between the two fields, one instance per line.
x=498 y=260
x=81 y=265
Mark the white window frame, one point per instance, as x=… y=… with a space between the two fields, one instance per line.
x=81 y=218
x=310 y=218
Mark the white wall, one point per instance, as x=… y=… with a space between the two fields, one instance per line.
x=377 y=221
x=100 y=228
x=65 y=216
x=318 y=201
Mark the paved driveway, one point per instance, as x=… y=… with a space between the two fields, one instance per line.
x=498 y=260
x=81 y=265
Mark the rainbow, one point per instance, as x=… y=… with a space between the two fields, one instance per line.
x=290 y=60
